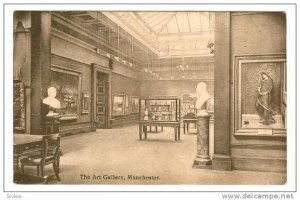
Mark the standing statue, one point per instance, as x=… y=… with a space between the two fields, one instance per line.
x=52 y=103
x=202 y=97
x=264 y=100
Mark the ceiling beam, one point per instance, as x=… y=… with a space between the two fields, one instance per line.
x=158 y=15
x=183 y=33
x=88 y=21
x=160 y=21
x=177 y=24
x=138 y=37
x=189 y=23
x=166 y=24
x=149 y=16
x=80 y=14
x=172 y=68
x=207 y=17
x=143 y=22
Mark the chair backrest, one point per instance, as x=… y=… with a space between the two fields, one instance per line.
x=51 y=146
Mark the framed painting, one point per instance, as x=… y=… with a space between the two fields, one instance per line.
x=19 y=107
x=118 y=104
x=258 y=88
x=68 y=85
x=85 y=107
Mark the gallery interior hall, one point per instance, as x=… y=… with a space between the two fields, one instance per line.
x=149 y=98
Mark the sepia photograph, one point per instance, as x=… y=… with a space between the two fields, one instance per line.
x=155 y=97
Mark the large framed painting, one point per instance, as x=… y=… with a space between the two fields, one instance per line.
x=118 y=104
x=19 y=107
x=259 y=89
x=68 y=85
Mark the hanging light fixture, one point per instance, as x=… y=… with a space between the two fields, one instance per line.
x=210 y=45
x=183 y=66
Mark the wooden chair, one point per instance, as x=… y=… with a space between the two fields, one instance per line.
x=49 y=155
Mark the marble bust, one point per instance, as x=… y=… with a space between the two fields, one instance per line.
x=202 y=97
x=52 y=102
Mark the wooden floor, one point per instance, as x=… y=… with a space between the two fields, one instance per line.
x=117 y=156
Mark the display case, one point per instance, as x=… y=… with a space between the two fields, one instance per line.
x=159 y=109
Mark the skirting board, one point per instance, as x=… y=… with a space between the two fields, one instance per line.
x=221 y=162
x=261 y=164
x=72 y=130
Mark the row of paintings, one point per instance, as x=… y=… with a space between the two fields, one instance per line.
x=124 y=104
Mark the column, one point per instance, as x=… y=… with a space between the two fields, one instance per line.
x=221 y=158
x=40 y=67
x=202 y=159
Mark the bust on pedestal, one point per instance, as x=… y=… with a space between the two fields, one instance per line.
x=52 y=118
x=202 y=159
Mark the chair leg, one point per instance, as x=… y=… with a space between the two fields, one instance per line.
x=58 y=162
x=56 y=171
x=37 y=170
x=22 y=168
x=45 y=179
x=42 y=171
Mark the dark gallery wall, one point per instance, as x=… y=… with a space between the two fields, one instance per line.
x=124 y=80
x=122 y=85
x=172 y=87
x=257 y=34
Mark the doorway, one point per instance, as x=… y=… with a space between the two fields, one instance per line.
x=102 y=94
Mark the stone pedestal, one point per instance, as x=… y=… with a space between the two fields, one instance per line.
x=52 y=124
x=202 y=159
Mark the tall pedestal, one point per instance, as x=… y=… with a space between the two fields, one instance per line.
x=52 y=124
x=202 y=160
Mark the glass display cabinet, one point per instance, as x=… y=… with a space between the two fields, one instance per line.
x=158 y=111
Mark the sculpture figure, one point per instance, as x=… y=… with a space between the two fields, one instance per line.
x=52 y=103
x=264 y=100
x=202 y=97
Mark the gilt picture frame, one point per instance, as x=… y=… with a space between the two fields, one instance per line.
x=247 y=75
x=68 y=85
